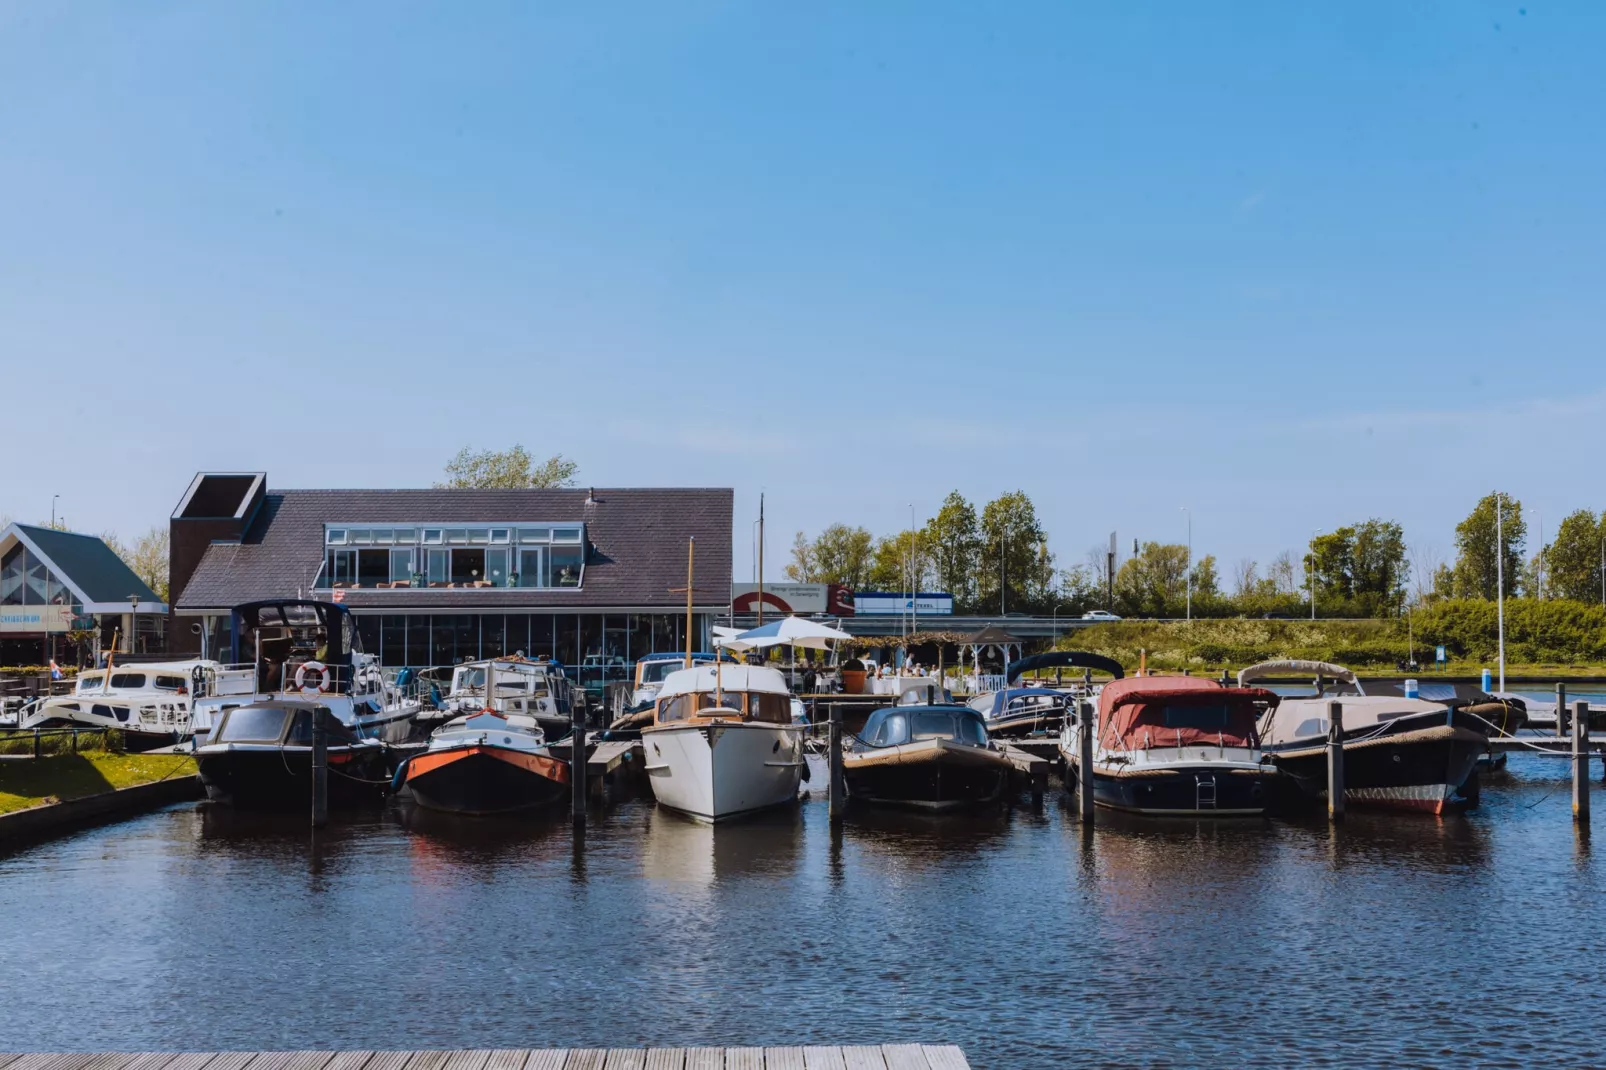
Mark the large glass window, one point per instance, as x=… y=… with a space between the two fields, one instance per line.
x=467 y=632
x=566 y=638
x=401 y=567
x=418 y=644
x=496 y=567
x=541 y=644
x=442 y=640
x=468 y=567
x=373 y=567
x=393 y=639
x=341 y=568
x=36 y=583
x=11 y=577
x=565 y=568
x=530 y=574
x=516 y=634
x=440 y=567
x=493 y=641
x=590 y=634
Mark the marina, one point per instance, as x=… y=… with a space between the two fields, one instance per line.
x=813 y=1057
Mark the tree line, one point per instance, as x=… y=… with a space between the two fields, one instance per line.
x=997 y=560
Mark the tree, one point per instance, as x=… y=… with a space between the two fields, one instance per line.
x=1081 y=588
x=1014 y=543
x=1476 y=555
x=1280 y=574
x=1573 y=560
x=1245 y=578
x=148 y=560
x=1202 y=576
x=952 y=542
x=897 y=563
x=1427 y=573
x=1153 y=583
x=839 y=554
x=1332 y=559
x=512 y=469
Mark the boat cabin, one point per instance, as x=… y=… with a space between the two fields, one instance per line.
x=287 y=723
x=1177 y=711
x=724 y=692
x=892 y=726
x=1024 y=702
x=294 y=645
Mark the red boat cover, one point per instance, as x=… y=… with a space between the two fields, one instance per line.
x=1175 y=711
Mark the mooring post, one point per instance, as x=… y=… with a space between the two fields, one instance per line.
x=1581 y=762
x=36 y=742
x=75 y=739
x=577 y=769
x=1561 y=710
x=1335 y=761
x=1084 y=762
x=320 y=773
x=837 y=791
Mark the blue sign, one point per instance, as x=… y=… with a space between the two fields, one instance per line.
x=1439 y=655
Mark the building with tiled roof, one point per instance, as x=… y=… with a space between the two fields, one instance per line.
x=435 y=576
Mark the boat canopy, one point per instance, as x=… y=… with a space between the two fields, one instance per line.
x=724 y=677
x=894 y=725
x=1283 y=666
x=1026 y=700
x=1055 y=659
x=303 y=617
x=1177 y=711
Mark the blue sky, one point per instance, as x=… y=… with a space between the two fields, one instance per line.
x=1290 y=265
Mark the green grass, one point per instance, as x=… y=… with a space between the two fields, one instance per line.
x=28 y=782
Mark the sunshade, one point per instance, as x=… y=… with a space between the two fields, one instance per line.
x=789 y=631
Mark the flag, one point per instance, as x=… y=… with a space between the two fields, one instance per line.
x=55 y=670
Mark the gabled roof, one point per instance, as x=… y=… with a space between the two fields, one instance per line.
x=99 y=580
x=636 y=553
x=992 y=635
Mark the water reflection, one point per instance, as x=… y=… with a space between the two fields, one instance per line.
x=697 y=855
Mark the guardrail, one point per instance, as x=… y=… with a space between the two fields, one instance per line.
x=40 y=734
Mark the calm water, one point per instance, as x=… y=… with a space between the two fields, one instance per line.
x=1396 y=940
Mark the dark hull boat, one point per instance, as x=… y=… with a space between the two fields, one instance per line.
x=1419 y=762
x=259 y=757
x=486 y=779
x=1205 y=790
x=931 y=757
x=280 y=778
x=1404 y=749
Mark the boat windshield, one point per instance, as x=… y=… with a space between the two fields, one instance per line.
x=904 y=724
x=764 y=706
x=90 y=682
x=251 y=724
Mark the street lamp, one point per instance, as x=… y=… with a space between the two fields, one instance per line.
x=1187 y=567
x=53 y=498
x=133 y=621
x=1054 y=625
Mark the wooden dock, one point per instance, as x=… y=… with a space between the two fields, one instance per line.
x=874 y=1057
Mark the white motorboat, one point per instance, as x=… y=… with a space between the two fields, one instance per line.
x=722 y=741
x=148 y=702
x=522 y=688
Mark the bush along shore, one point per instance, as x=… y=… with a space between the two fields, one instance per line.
x=60 y=775
x=1553 y=638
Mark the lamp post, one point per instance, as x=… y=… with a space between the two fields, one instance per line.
x=1310 y=582
x=1003 y=543
x=53 y=498
x=1054 y=625
x=1187 y=567
x=133 y=621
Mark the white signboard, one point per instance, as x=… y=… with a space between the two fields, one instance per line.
x=883 y=603
x=36 y=618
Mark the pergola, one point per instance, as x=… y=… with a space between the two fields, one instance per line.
x=991 y=636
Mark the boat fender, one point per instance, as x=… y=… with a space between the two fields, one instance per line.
x=301 y=677
x=435 y=697
x=400 y=778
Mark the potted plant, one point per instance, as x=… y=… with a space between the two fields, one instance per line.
x=853 y=676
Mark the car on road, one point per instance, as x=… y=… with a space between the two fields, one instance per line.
x=1099 y=614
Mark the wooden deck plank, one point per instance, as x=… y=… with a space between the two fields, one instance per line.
x=546 y=1059
x=945 y=1057
x=705 y=1059
x=783 y=1059
x=73 y=1060
x=744 y=1059
x=822 y=1058
x=427 y=1060
x=467 y=1060
x=507 y=1059
x=864 y=1058
x=168 y=1060
x=590 y=1059
x=387 y=1060
x=310 y=1060
x=8 y=1057
x=34 y=1060
x=666 y=1059
x=270 y=1060
x=905 y=1057
x=350 y=1060
x=625 y=1059
x=230 y=1060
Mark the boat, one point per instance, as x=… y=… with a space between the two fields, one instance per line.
x=935 y=757
x=259 y=756
x=1401 y=752
x=148 y=702
x=722 y=741
x=1176 y=745
x=523 y=687
x=487 y=762
x=1038 y=711
x=650 y=673
x=302 y=648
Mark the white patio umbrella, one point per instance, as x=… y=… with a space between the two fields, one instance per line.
x=791 y=631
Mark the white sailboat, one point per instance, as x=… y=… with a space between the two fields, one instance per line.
x=722 y=742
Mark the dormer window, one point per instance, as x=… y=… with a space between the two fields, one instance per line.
x=475 y=557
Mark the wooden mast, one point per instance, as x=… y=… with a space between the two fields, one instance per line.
x=761 y=559
x=691 y=553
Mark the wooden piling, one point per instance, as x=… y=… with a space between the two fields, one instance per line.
x=1561 y=710
x=577 y=770
x=1084 y=758
x=320 y=772
x=1335 y=761
x=838 y=789
x=1580 y=761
